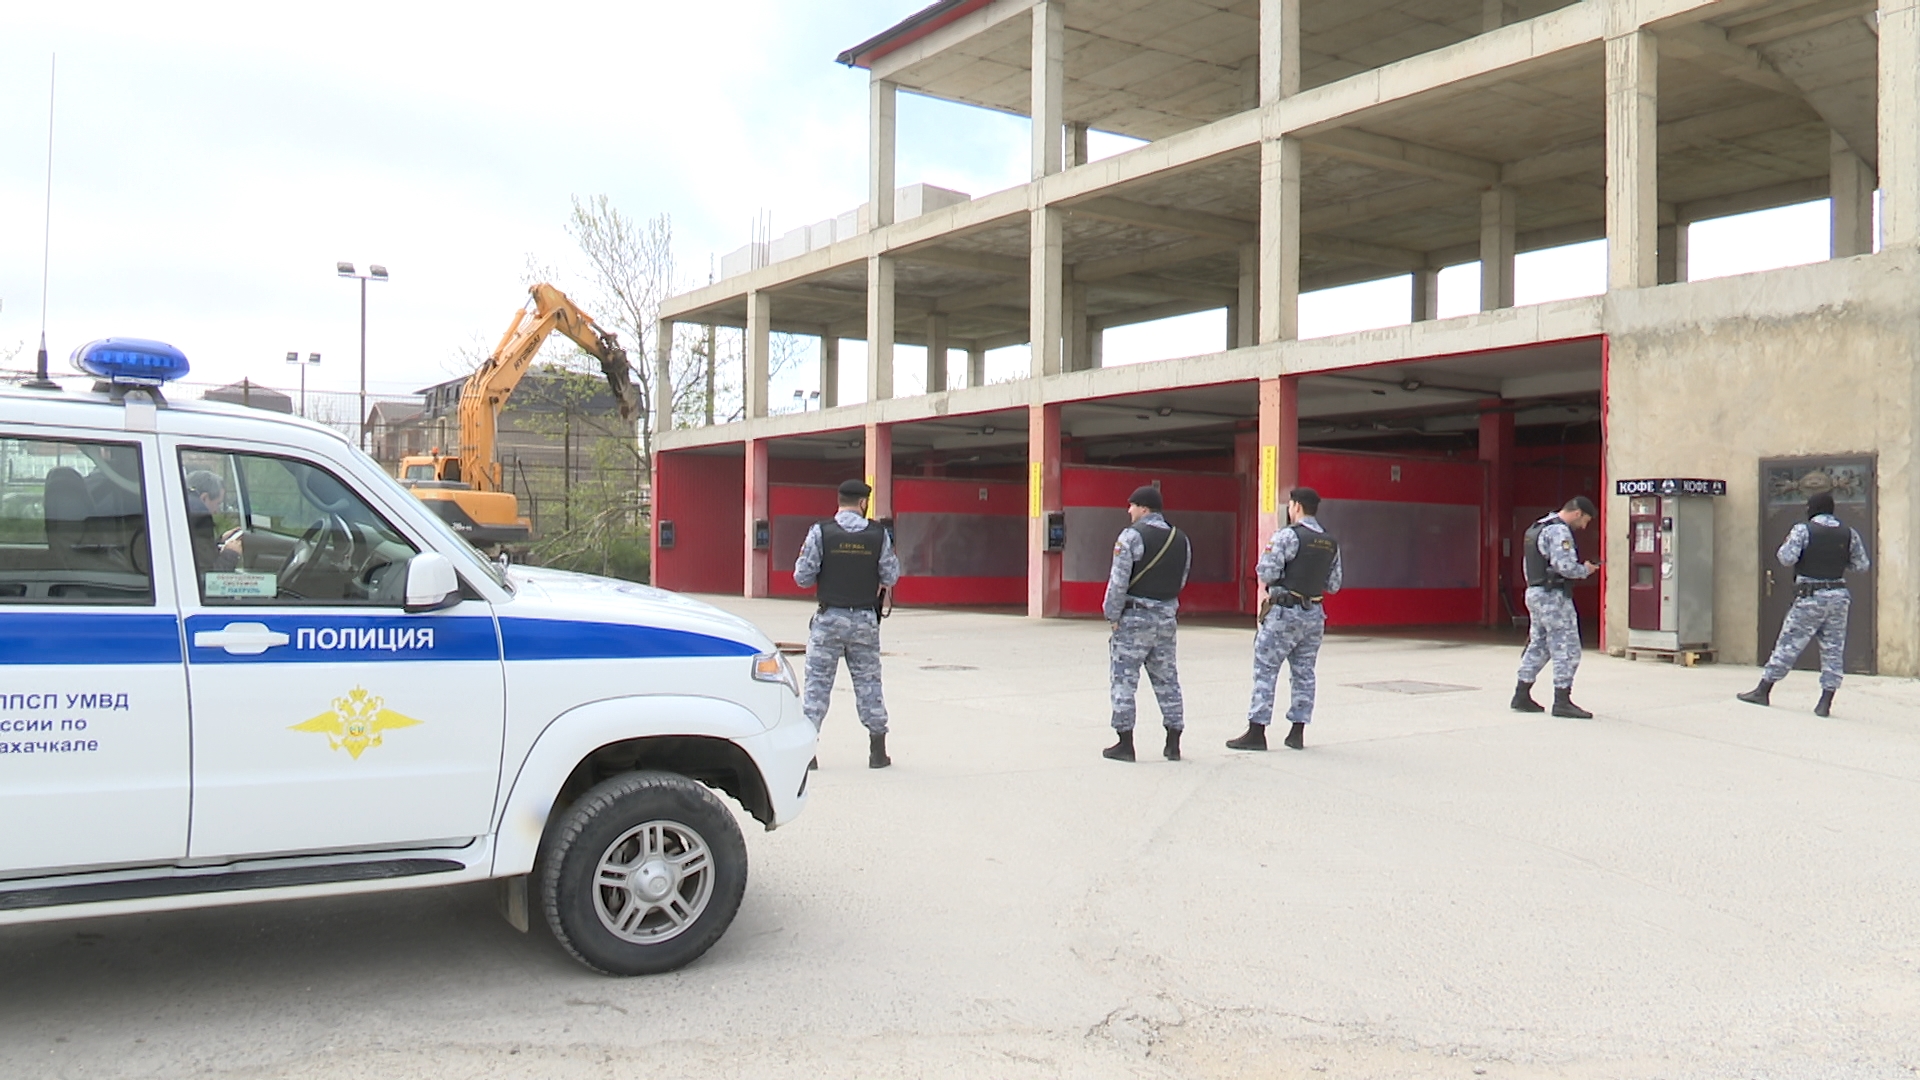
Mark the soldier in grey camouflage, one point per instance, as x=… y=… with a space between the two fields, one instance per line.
x=1821 y=550
x=1300 y=566
x=1150 y=563
x=851 y=560
x=1553 y=564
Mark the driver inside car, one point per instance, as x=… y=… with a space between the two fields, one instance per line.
x=212 y=553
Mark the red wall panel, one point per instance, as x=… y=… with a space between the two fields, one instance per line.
x=1100 y=485
x=704 y=496
x=948 y=495
x=815 y=500
x=1367 y=476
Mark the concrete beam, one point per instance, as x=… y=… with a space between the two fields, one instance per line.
x=1705 y=46
x=1341 y=249
x=981 y=261
x=1397 y=155
x=1146 y=285
x=1495 y=14
x=1802 y=20
x=947 y=37
x=1109 y=208
x=1170 y=255
x=1148 y=314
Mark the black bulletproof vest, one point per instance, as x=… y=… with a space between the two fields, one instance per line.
x=849 y=565
x=1307 y=572
x=1827 y=551
x=1540 y=571
x=1162 y=579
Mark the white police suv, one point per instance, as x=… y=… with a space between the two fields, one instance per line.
x=239 y=662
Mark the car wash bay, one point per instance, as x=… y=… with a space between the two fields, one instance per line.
x=1431 y=472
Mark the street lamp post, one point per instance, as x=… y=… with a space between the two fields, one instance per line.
x=375 y=272
x=294 y=359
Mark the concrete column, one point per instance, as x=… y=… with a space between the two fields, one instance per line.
x=1096 y=348
x=759 y=347
x=976 y=366
x=1043 y=497
x=1633 y=64
x=1426 y=294
x=758 y=561
x=663 y=376
x=1899 y=123
x=1279 y=304
x=1076 y=143
x=1496 y=449
x=1497 y=210
x=1495 y=14
x=1279 y=450
x=829 y=369
x=879 y=447
x=1667 y=265
x=1850 y=190
x=1243 y=323
x=1049 y=85
x=1279 y=49
x=879 y=328
x=1045 y=280
x=880 y=154
x=936 y=353
x=1075 y=331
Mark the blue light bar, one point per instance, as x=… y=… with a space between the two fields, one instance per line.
x=130 y=360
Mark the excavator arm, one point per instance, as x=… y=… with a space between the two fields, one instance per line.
x=488 y=389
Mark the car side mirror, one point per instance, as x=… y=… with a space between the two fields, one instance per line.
x=431 y=582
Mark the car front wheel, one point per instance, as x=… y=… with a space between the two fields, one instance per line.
x=642 y=874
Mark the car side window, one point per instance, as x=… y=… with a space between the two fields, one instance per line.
x=73 y=523
x=276 y=530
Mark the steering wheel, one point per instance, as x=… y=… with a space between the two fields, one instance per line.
x=327 y=541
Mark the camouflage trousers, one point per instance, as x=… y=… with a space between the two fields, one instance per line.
x=1291 y=636
x=854 y=634
x=1554 y=632
x=1145 y=638
x=1822 y=616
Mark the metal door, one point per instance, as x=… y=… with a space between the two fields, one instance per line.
x=1785 y=484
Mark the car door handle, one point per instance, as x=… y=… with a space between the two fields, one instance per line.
x=240 y=638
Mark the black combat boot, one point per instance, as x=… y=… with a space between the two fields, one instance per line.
x=1121 y=750
x=877 y=752
x=1523 y=698
x=1825 y=708
x=1297 y=737
x=1172 y=751
x=1254 y=739
x=1759 y=695
x=1563 y=705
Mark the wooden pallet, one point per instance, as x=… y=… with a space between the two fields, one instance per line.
x=1682 y=657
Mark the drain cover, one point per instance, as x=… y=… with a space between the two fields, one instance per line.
x=948 y=667
x=1412 y=686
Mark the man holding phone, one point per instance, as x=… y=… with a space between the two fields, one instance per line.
x=1553 y=565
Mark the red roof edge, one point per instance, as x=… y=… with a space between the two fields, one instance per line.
x=909 y=30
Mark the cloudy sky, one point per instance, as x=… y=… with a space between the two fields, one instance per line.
x=212 y=161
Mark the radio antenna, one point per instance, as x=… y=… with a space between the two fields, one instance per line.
x=40 y=380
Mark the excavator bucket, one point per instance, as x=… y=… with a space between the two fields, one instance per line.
x=619 y=375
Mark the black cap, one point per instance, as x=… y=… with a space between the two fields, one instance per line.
x=1582 y=504
x=1148 y=496
x=1820 y=502
x=854 y=489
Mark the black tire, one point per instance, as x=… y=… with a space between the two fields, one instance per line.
x=643 y=821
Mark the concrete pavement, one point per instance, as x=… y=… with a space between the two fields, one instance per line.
x=1686 y=886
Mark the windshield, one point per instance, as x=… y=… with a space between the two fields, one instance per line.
x=419 y=472
x=459 y=543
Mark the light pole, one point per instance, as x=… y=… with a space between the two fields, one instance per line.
x=294 y=359
x=375 y=272
x=806 y=400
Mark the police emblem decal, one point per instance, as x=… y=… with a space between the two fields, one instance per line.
x=357 y=722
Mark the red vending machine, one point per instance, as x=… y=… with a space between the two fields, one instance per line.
x=1670 y=567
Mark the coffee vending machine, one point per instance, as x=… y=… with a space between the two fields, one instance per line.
x=1670 y=567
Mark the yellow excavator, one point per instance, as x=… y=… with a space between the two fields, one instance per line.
x=467 y=490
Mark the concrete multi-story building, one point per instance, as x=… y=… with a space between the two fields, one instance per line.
x=1300 y=144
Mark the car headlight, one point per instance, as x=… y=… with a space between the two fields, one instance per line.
x=773 y=667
